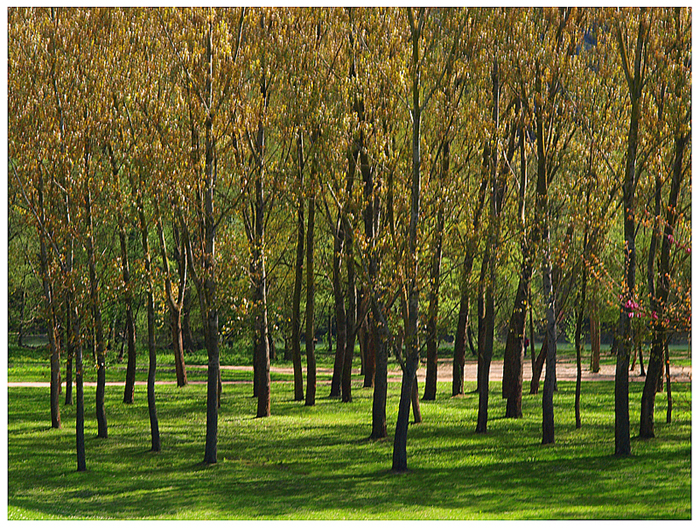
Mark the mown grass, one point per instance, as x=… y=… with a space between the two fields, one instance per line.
x=317 y=462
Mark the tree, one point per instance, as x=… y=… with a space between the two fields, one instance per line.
x=417 y=22
x=678 y=104
x=634 y=74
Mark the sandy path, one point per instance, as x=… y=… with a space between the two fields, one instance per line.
x=566 y=371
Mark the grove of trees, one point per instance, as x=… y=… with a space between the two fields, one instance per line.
x=392 y=175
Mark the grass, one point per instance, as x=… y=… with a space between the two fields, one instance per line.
x=317 y=462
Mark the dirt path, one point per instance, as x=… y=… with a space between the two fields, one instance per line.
x=566 y=371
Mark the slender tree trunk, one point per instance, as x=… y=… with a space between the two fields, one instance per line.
x=410 y=365
x=542 y=208
x=577 y=337
x=310 y=291
x=298 y=279
x=128 y=301
x=262 y=337
x=371 y=351
x=512 y=388
x=351 y=293
x=175 y=302
x=96 y=308
x=594 y=318
x=659 y=300
x=537 y=368
x=207 y=292
x=624 y=329
x=669 y=397
x=463 y=329
x=379 y=429
x=151 y=383
x=415 y=402
x=150 y=317
x=486 y=352
x=515 y=342
x=188 y=343
x=462 y=325
x=433 y=297
x=339 y=303
x=50 y=311
x=79 y=397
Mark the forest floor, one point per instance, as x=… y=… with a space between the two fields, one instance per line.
x=566 y=371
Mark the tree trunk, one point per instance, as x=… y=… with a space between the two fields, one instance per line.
x=261 y=329
x=594 y=318
x=370 y=351
x=137 y=193
x=298 y=279
x=512 y=388
x=577 y=337
x=659 y=300
x=151 y=383
x=462 y=325
x=174 y=302
x=400 y=460
x=188 y=343
x=379 y=429
x=128 y=302
x=415 y=402
x=310 y=290
x=96 y=308
x=351 y=293
x=542 y=229
x=410 y=365
x=339 y=303
x=207 y=288
x=49 y=310
x=486 y=351
x=624 y=328
x=433 y=297
x=79 y=397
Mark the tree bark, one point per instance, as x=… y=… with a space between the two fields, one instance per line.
x=259 y=276
x=434 y=292
x=512 y=386
x=410 y=364
x=371 y=351
x=594 y=318
x=95 y=307
x=339 y=304
x=660 y=298
x=49 y=310
x=351 y=292
x=486 y=351
x=624 y=328
x=137 y=192
x=577 y=337
x=130 y=327
x=310 y=291
x=79 y=397
x=542 y=209
x=207 y=283
x=298 y=279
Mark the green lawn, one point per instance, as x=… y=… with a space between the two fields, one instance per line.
x=317 y=463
